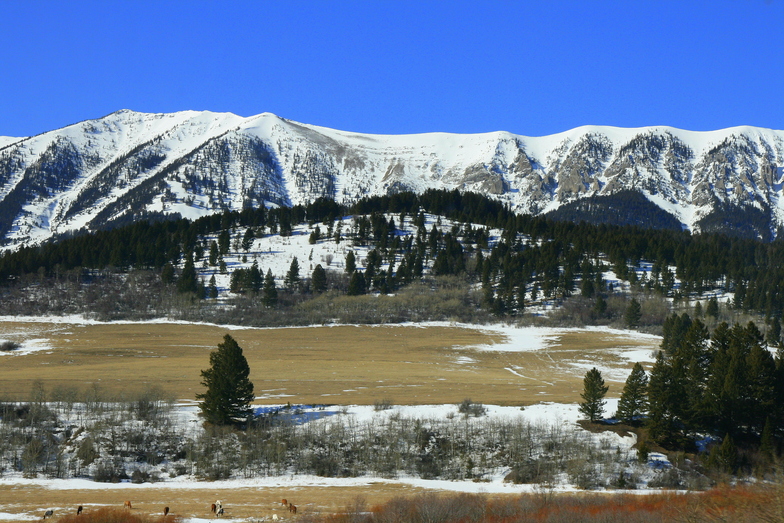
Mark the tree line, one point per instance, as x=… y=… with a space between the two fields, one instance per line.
x=705 y=387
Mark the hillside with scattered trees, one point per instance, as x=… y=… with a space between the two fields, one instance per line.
x=439 y=255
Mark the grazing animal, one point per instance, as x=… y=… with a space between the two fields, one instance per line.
x=220 y=511
x=213 y=508
x=284 y=501
x=127 y=505
x=48 y=514
x=78 y=510
x=165 y=511
x=274 y=517
x=292 y=508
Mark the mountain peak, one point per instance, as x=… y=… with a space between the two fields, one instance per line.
x=129 y=165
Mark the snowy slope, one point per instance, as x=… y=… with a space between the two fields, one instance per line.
x=127 y=165
x=6 y=140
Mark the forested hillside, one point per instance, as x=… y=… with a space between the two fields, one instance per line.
x=481 y=258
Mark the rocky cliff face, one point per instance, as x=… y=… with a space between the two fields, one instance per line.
x=129 y=165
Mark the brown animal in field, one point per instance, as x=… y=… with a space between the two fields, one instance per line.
x=284 y=501
x=78 y=510
x=48 y=514
x=127 y=505
x=213 y=508
x=165 y=511
x=292 y=509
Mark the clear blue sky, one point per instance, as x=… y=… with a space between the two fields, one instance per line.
x=398 y=66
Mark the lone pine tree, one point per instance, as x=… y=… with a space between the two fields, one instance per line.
x=229 y=391
x=593 y=394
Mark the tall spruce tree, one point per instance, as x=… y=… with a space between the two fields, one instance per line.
x=319 y=279
x=633 y=313
x=269 y=295
x=291 y=281
x=351 y=262
x=188 y=282
x=713 y=400
x=356 y=285
x=634 y=398
x=712 y=309
x=593 y=395
x=255 y=280
x=662 y=401
x=247 y=239
x=214 y=254
x=229 y=391
x=212 y=290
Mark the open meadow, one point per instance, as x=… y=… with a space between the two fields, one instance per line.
x=357 y=365
x=434 y=364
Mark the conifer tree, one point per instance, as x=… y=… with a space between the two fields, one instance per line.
x=634 y=398
x=767 y=448
x=633 y=314
x=247 y=239
x=735 y=397
x=229 y=391
x=593 y=395
x=270 y=292
x=167 y=273
x=356 y=285
x=255 y=280
x=224 y=238
x=712 y=309
x=661 y=402
x=351 y=262
x=761 y=379
x=188 y=281
x=214 y=254
x=698 y=310
x=319 y=279
x=291 y=281
x=725 y=456
x=213 y=288
x=600 y=306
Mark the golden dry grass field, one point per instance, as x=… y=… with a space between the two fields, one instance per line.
x=322 y=365
x=326 y=365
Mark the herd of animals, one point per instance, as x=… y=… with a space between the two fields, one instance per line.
x=216 y=508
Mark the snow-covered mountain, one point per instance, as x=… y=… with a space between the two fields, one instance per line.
x=128 y=165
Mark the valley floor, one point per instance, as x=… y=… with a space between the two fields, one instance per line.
x=535 y=367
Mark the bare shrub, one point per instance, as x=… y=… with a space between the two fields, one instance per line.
x=470 y=409
x=382 y=404
x=9 y=346
x=109 y=473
